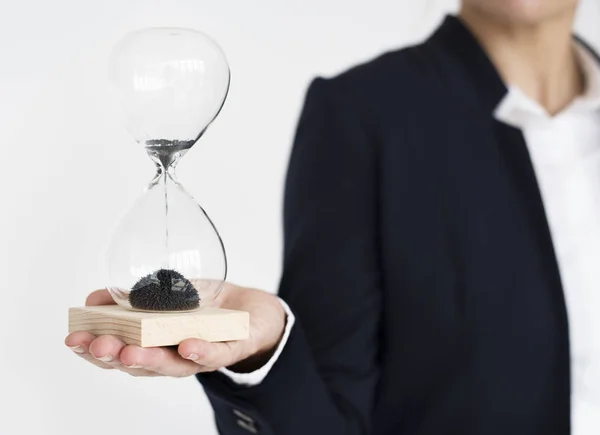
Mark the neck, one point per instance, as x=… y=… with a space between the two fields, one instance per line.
x=538 y=58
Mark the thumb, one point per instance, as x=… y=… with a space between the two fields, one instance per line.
x=99 y=297
x=213 y=355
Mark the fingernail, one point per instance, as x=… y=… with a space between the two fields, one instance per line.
x=192 y=356
x=134 y=366
x=105 y=358
x=77 y=349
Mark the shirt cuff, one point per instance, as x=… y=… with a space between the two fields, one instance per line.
x=256 y=377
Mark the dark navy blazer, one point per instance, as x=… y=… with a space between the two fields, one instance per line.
x=418 y=261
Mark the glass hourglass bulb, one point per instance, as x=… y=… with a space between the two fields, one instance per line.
x=166 y=254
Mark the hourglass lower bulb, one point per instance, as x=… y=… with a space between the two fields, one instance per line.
x=166 y=255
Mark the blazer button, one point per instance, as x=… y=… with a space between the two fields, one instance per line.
x=245 y=421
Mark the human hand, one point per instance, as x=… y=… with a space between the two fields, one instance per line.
x=192 y=356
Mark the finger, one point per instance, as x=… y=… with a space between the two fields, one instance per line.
x=107 y=348
x=161 y=360
x=213 y=355
x=99 y=297
x=79 y=342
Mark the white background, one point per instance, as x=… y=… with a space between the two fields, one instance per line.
x=69 y=171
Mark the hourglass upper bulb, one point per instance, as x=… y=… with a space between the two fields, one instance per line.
x=171 y=84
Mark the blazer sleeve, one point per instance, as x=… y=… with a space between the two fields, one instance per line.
x=324 y=381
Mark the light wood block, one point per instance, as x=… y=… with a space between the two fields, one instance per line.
x=160 y=329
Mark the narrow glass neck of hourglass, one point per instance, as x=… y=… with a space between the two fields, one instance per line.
x=166 y=155
x=162 y=173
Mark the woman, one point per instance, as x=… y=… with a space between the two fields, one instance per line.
x=442 y=233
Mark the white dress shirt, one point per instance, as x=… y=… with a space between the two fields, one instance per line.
x=565 y=151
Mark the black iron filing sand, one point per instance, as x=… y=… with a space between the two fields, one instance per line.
x=164 y=290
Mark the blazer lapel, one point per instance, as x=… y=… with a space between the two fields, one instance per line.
x=474 y=80
x=514 y=151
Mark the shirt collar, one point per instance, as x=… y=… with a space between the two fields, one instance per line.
x=518 y=109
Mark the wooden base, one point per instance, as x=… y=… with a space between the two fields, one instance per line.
x=160 y=329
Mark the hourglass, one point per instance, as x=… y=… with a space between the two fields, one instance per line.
x=166 y=261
